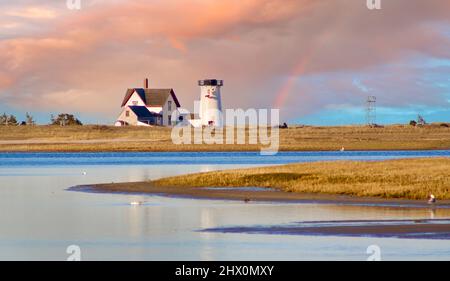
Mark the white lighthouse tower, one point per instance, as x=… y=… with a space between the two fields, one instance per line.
x=210 y=102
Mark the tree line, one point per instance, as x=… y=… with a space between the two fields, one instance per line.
x=62 y=119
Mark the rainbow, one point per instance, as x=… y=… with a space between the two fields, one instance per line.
x=286 y=88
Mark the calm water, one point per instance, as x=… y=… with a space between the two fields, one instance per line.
x=39 y=218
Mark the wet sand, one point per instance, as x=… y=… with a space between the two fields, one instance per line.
x=412 y=229
x=248 y=195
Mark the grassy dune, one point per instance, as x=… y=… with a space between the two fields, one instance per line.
x=110 y=138
x=406 y=179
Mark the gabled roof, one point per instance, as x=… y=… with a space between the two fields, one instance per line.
x=142 y=112
x=151 y=97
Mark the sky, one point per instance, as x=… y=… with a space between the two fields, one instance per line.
x=315 y=60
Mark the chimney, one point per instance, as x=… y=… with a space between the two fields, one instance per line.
x=146 y=83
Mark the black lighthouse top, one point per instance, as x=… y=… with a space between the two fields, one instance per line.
x=210 y=82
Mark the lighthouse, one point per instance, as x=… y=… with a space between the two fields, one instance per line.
x=210 y=102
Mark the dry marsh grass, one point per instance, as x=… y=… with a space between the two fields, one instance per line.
x=405 y=179
x=87 y=132
x=110 y=138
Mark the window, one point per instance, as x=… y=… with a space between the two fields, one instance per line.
x=127 y=113
x=170 y=120
x=135 y=102
x=169 y=105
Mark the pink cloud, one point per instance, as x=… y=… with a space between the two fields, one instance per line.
x=259 y=47
x=32 y=13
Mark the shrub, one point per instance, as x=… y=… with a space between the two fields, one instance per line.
x=65 y=119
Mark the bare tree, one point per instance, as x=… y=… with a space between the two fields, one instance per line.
x=8 y=119
x=30 y=120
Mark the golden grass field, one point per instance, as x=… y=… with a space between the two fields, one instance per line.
x=110 y=138
x=405 y=179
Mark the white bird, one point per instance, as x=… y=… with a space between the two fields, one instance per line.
x=136 y=203
x=342 y=149
x=431 y=199
x=84 y=173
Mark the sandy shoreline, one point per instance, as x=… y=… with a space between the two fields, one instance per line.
x=257 y=195
x=405 y=229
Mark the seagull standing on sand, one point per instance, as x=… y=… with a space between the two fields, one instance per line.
x=431 y=199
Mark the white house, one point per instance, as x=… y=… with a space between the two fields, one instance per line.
x=146 y=107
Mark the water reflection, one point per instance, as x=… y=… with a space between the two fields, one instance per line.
x=39 y=218
x=432 y=212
